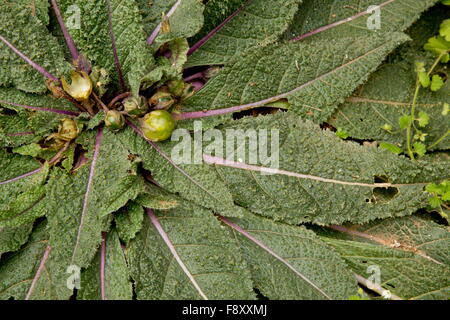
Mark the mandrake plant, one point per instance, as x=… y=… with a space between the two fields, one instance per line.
x=93 y=204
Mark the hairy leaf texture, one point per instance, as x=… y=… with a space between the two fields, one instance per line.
x=315 y=185
x=26 y=32
x=195 y=182
x=12 y=238
x=256 y=23
x=384 y=99
x=93 y=37
x=33 y=273
x=290 y=262
x=107 y=278
x=195 y=259
x=410 y=254
x=97 y=188
x=22 y=189
x=36 y=114
x=184 y=17
x=314 y=77
x=331 y=19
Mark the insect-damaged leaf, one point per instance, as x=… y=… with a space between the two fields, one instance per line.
x=135 y=222
x=311 y=184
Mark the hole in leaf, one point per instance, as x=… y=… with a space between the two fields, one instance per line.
x=256 y=112
x=443 y=75
x=380 y=179
x=383 y=195
x=390 y=285
x=8 y=112
x=259 y=295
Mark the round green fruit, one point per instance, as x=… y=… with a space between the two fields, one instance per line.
x=157 y=125
x=114 y=120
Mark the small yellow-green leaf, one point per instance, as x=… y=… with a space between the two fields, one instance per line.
x=436 y=83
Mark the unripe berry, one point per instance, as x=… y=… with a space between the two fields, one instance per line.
x=114 y=120
x=68 y=130
x=157 y=125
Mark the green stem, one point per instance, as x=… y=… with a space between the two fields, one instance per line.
x=439 y=140
x=413 y=110
x=436 y=62
x=443 y=214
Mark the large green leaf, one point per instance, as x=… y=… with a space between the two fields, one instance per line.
x=309 y=183
x=136 y=221
x=36 y=113
x=12 y=238
x=93 y=37
x=37 y=8
x=331 y=19
x=130 y=218
x=107 y=278
x=167 y=262
x=216 y=11
x=25 y=31
x=195 y=182
x=30 y=272
x=15 y=130
x=411 y=255
x=184 y=17
x=129 y=221
x=314 y=77
x=257 y=23
x=289 y=262
x=22 y=189
x=99 y=187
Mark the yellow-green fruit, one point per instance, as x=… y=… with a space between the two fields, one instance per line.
x=158 y=125
x=114 y=120
x=68 y=130
x=81 y=87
